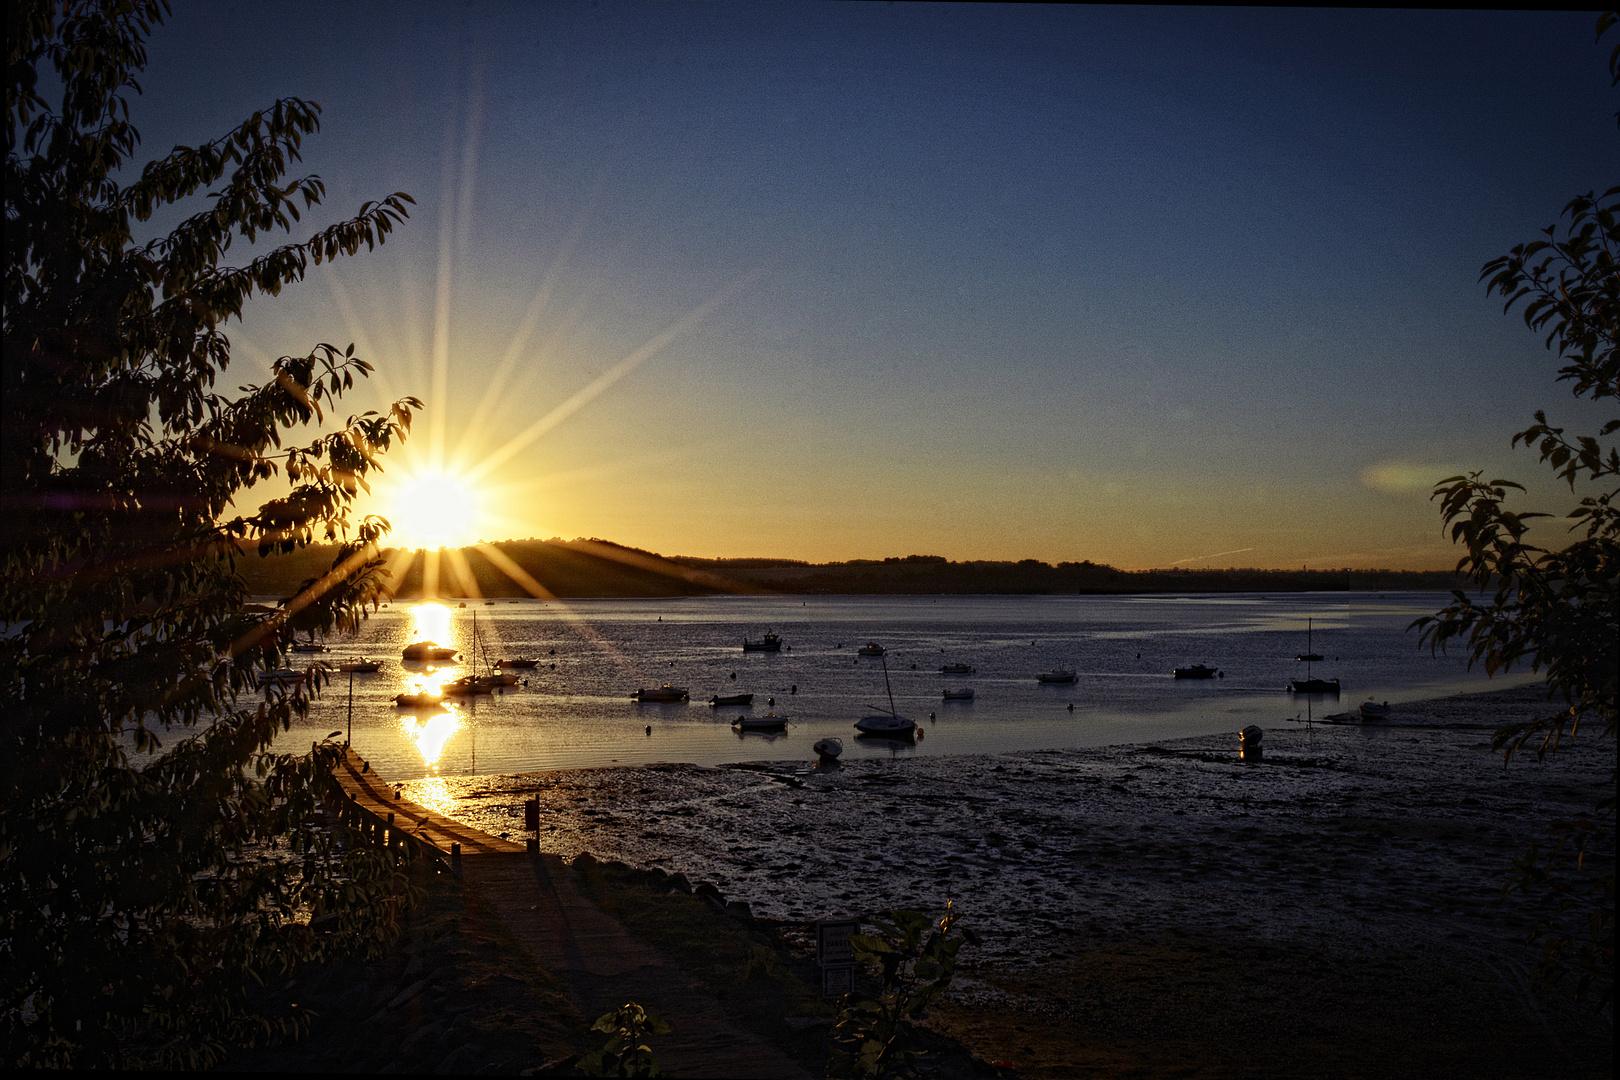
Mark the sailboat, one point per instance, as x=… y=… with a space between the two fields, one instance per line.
x=1308 y=685
x=890 y=725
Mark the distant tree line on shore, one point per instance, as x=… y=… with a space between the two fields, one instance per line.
x=583 y=569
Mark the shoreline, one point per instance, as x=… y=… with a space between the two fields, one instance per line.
x=1128 y=873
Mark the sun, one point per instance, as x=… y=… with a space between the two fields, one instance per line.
x=432 y=509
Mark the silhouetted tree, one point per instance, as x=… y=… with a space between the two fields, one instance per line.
x=1557 y=610
x=155 y=856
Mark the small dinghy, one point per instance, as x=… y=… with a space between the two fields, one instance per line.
x=828 y=749
x=281 y=676
x=361 y=666
x=1056 y=675
x=760 y=723
x=731 y=699
x=418 y=701
x=965 y=694
x=518 y=662
x=1372 y=710
x=956 y=669
x=1197 y=671
x=871 y=648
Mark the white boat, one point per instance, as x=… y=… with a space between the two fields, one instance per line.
x=871 y=648
x=964 y=694
x=665 y=693
x=1372 y=710
x=1057 y=675
x=428 y=650
x=759 y=723
x=956 y=669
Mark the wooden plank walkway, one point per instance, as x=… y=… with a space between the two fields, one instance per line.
x=602 y=965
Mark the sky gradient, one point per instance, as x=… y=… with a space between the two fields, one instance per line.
x=1140 y=286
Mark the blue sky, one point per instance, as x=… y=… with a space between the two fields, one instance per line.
x=1142 y=286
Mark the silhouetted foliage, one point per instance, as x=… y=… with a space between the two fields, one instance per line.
x=915 y=961
x=154 y=854
x=1556 y=610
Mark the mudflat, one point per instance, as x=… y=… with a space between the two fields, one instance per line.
x=1158 y=909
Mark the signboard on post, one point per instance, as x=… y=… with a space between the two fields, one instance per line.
x=837 y=981
x=836 y=956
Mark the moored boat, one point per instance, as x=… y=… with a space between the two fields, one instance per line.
x=309 y=647
x=1372 y=710
x=362 y=666
x=427 y=650
x=418 y=701
x=518 y=662
x=769 y=643
x=665 y=693
x=871 y=648
x=828 y=748
x=1057 y=675
x=467 y=686
x=964 y=694
x=956 y=669
x=281 y=676
x=887 y=727
x=760 y=723
x=1309 y=685
x=732 y=699
x=1196 y=671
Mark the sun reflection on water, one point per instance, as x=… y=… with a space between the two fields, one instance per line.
x=434 y=793
x=430 y=622
x=431 y=734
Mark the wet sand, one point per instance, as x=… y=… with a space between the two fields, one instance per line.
x=1157 y=909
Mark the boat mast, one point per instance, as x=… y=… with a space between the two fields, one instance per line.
x=886 y=685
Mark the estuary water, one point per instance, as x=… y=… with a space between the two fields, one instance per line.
x=576 y=708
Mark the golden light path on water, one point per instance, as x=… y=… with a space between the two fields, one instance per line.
x=430 y=622
x=431 y=734
x=434 y=794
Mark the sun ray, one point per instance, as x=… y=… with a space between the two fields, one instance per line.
x=399 y=564
x=602 y=382
x=440 y=384
x=463 y=574
x=531 y=318
x=379 y=382
x=430 y=573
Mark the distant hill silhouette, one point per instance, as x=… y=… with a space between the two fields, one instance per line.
x=598 y=568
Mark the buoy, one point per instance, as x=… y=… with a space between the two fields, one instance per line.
x=649 y=729
x=733 y=674
x=1071 y=706
x=794 y=689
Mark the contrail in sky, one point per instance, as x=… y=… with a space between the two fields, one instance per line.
x=1218 y=554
